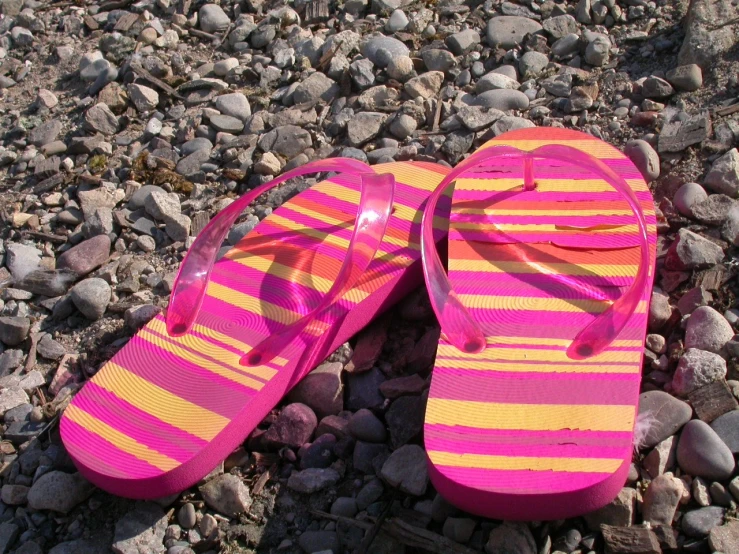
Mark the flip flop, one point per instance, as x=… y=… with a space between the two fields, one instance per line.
x=241 y=332
x=535 y=387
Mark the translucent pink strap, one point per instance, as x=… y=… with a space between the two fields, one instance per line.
x=456 y=322
x=373 y=214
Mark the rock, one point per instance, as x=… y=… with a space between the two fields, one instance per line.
x=494 y=81
x=438 y=60
x=235 y=105
x=161 y=205
x=321 y=390
x=424 y=86
x=686 y=77
x=659 y=310
x=362 y=73
x=726 y=427
x=502 y=99
x=597 y=51
x=661 y=458
x=50 y=349
x=509 y=538
x=226 y=124
x=644 y=157
x=86 y=256
x=344 y=506
x=696 y=369
x=702 y=453
x=141 y=530
x=364 y=126
x=681 y=132
x=364 y=426
x=619 y=513
x=724 y=174
x=191 y=164
x=312 y=480
x=138 y=316
x=227 y=495
x=656 y=87
x=406 y=469
x=730 y=228
x=708 y=330
x=14 y=495
x=293 y=427
x=286 y=140
x=8 y=534
x=560 y=26
x=372 y=47
x=21 y=259
x=459 y=529
x=532 y=63
x=14 y=330
x=397 y=21
x=662 y=499
x=186 y=516
x=698 y=523
x=725 y=538
x=213 y=19
x=464 y=41
x=692 y=299
x=687 y=196
x=315 y=88
x=401 y=68
x=59 y=491
x=91 y=297
x=691 y=251
x=49 y=283
x=144 y=98
x=99 y=119
x=45 y=133
x=710 y=31
x=223 y=67
x=566 y=46
x=318 y=542
x=403 y=126
x=666 y=415
x=509 y=31
x=11 y=398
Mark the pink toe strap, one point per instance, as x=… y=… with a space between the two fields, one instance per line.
x=459 y=326
x=373 y=214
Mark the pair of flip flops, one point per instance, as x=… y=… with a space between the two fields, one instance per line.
x=551 y=246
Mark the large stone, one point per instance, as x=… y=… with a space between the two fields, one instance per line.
x=59 y=491
x=508 y=31
x=708 y=330
x=293 y=427
x=724 y=174
x=213 y=19
x=696 y=369
x=144 y=98
x=287 y=140
x=511 y=538
x=464 y=41
x=364 y=126
x=45 y=133
x=235 y=105
x=424 y=86
x=665 y=413
x=141 y=530
x=86 y=256
x=681 y=132
x=406 y=469
x=702 y=453
x=698 y=523
x=321 y=390
x=100 y=119
x=502 y=99
x=662 y=499
x=373 y=48
x=711 y=29
x=317 y=87
x=21 y=259
x=686 y=77
x=727 y=428
x=691 y=251
x=91 y=297
x=14 y=330
x=644 y=157
x=227 y=495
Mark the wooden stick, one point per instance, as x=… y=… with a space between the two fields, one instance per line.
x=141 y=72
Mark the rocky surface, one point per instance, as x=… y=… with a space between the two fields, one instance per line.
x=128 y=125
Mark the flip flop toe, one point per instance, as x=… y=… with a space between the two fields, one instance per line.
x=241 y=332
x=543 y=313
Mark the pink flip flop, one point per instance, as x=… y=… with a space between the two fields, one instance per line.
x=535 y=387
x=241 y=332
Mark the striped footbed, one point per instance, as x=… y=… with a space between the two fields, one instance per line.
x=534 y=268
x=161 y=400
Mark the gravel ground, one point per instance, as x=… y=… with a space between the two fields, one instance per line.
x=126 y=126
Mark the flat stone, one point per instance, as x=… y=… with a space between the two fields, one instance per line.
x=462 y=42
x=495 y=81
x=140 y=530
x=59 y=491
x=510 y=537
x=662 y=457
x=393 y=46
x=227 y=495
x=508 y=31
x=226 y=123
x=708 y=330
x=48 y=282
x=698 y=523
x=696 y=369
x=560 y=26
x=666 y=415
x=661 y=499
x=21 y=259
x=315 y=88
x=702 y=453
x=680 y=133
x=287 y=140
x=86 y=256
x=724 y=174
x=11 y=398
x=406 y=469
x=726 y=427
x=321 y=390
x=436 y=59
x=364 y=126
x=715 y=209
x=656 y=87
x=309 y=481
x=691 y=251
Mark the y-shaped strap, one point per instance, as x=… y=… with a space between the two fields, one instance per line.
x=373 y=214
x=456 y=322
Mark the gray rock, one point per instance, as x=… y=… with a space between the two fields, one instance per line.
x=708 y=330
x=730 y=228
x=186 y=516
x=680 y=132
x=227 y=124
x=344 y=506
x=234 y=104
x=532 y=63
x=286 y=140
x=702 y=453
x=239 y=231
x=365 y=426
x=213 y=19
x=403 y=126
x=397 y=21
x=698 y=523
x=47 y=282
x=619 y=513
x=686 y=77
x=362 y=73
x=558 y=85
x=508 y=31
x=393 y=46
x=644 y=157
x=138 y=316
x=462 y=42
x=502 y=99
x=438 y=60
x=727 y=428
x=693 y=299
x=86 y=256
x=661 y=499
x=312 y=480
x=8 y=534
x=687 y=196
x=666 y=415
x=401 y=68
x=476 y=118
x=661 y=458
x=91 y=297
x=141 y=530
x=262 y=35
x=161 y=205
x=190 y=147
x=10 y=360
x=565 y=46
x=45 y=133
x=459 y=529
x=656 y=87
x=406 y=469
x=364 y=126
x=425 y=85
x=724 y=174
x=321 y=390
x=495 y=81
x=691 y=251
x=100 y=119
x=510 y=538
x=696 y=369
x=597 y=51
x=317 y=542
x=710 y=31
x=315 y=88
x=227 y=495
x=59 y=491
x=50 y=349
x=293 y=427
x=14 y=330
x=21 y=259
x=560 y=26
x=14 y=495
x=457 y=144
x=144 y=98
x=11 y=398
x=191 y=164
